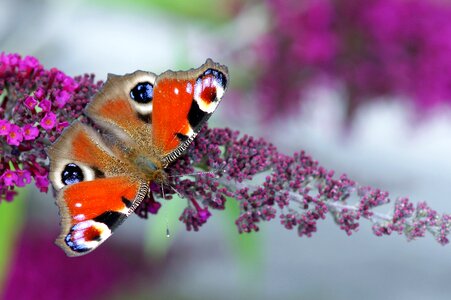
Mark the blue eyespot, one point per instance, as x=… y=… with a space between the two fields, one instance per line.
x=71 y=174
x=142 y=92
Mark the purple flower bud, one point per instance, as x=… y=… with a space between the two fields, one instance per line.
x=42 y=182
x=45 y=105
x=61 y=125
x=23 y=178
x=62 y=98
x=9 y=195
x=39 y=93
x=23 y=144
x=203 y=214
x=219 y=165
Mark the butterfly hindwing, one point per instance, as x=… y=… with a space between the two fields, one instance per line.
x=95 y=189
x=182 y=102
x=92 y=210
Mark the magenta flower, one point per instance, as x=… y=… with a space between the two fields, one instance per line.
x=28 y=64
x=9 y=195
x=9 y=178
x=39 y=94
x=15 y=135
x=30 y=102
x=61 y=125
x=26 y=82
x=23 y=178
x=45 y=105
x=30 y=132
x=4 y=127
x=49 y=121
x=42 y=182
x=62 y=98
x=204 y=214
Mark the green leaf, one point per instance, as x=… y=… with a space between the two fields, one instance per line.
x=11 y=221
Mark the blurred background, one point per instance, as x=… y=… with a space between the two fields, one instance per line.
x=362 y=86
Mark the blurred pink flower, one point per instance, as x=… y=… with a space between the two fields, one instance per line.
x=373 y=48
x=39 y=270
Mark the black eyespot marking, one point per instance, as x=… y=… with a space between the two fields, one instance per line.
x=219 y=76
x=112 y=219
x=196 y=116
x=142 y=92
x=182 y=138
x=98 y=173
x=145 y=118
x=126 y=202
x=71 y=174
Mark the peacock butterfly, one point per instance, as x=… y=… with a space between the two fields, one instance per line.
x=146 y=121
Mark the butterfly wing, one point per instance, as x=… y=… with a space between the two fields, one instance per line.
x=147 y=121
x=96 y=190
x=114 y=110
x=182 y=102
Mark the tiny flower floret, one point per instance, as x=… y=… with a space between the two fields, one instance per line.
x=4 y=127
x=15 y=135
x=49 y=121
x=30 y=132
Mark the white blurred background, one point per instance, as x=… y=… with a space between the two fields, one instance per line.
x=384 y=146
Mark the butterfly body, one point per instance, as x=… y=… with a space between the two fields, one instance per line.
x=144 y=122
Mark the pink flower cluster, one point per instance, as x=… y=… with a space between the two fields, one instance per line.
x=370 y=48
x=36 y=104
x=295 y=189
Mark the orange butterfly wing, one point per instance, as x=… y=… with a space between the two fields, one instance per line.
x=96 y=192
x=182 y=102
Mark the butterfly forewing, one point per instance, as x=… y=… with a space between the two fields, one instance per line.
x=183 y=102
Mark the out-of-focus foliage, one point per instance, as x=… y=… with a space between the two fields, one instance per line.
x=11 y=218
x=206 y=10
